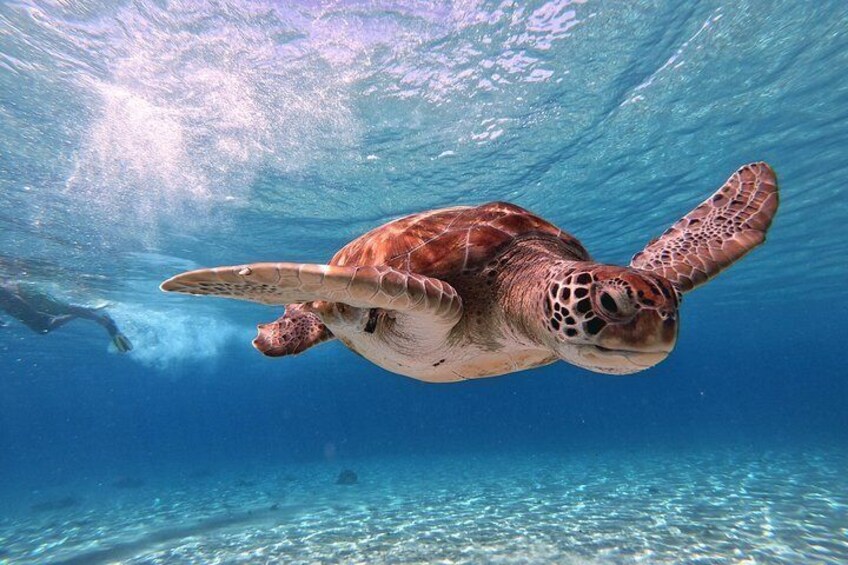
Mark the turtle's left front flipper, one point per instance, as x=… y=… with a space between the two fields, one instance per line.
x=429 y=305
x=717 y=233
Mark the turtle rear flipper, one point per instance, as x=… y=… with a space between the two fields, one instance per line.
x=425 y=307
x=713 y=236
x=294 y=332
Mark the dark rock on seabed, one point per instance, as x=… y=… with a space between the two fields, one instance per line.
x=347 y=477
x=128 y=482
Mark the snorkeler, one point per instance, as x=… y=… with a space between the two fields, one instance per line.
x=42 y=313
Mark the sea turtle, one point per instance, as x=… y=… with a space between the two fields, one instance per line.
x=468 y=292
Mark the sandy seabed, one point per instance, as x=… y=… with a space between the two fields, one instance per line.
x=617 y=506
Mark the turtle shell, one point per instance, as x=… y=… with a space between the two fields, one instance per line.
x=444 y=243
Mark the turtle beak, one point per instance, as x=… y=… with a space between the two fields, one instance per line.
x=651 y=332
x=630 y=347
x=618 y=362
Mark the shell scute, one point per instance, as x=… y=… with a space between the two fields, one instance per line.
x=443 y=243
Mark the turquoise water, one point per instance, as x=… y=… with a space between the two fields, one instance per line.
x=142 y=139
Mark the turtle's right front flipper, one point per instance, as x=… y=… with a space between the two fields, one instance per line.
x=424 y=304
x=717 y=233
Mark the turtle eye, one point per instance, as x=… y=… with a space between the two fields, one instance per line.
x=613 y=304
x=608 y=303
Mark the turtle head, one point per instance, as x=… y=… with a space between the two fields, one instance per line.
x=612 y=319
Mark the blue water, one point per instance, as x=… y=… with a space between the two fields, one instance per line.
x=141 y=139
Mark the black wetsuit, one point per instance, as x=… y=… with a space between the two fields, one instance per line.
x=42 y=313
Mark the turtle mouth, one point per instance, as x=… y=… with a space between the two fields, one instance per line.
x=660 y=350
x=622 y=361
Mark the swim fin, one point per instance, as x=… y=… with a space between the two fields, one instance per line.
x=122 y=344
